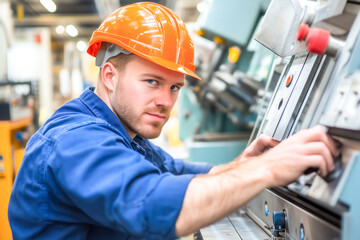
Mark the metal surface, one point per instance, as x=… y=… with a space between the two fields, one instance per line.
x=287 y=16
x=350 y=196
x=344 y=109
x=287 y=101
x=266 y=94
x=315 y=227
x=237 y=226
x=324 y=90
x=327 y=95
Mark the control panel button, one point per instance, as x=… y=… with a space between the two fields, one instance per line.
x=266 y=208
x=279 y=220
x=289 y=80
x=302 y=232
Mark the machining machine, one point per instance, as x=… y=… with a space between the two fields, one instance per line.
x=319 y=41
x=17 y=117
x=217 y=113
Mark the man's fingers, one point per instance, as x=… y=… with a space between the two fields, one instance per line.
x=314 y=134
x=333 y=145
x=273 y=143
x=317 y=161
x=317 y=134
x=320 y=148
x=266 y=142
x=327 y=139
x=258 y=146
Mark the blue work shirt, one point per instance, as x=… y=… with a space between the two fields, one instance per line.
x=83 y=177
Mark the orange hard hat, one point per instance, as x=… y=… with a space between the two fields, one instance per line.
x=150 y=31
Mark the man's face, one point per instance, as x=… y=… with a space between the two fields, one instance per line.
x=144 y=95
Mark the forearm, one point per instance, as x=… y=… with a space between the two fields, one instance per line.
x=224 y=167
x=203 y=205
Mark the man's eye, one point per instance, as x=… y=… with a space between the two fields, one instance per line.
x=175 y=88
x=150 y=81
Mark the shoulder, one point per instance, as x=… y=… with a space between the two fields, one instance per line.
x=73 y=121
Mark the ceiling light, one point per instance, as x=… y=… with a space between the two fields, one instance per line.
x=200 y=7
x=81 y=45
x=60 y=29
x=49 y=5
x=71 y=30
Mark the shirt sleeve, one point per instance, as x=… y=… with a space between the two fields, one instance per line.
x=192 y=167
x=179 y=166
x=115 y=186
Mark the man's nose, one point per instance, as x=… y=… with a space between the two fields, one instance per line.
x=164 y=98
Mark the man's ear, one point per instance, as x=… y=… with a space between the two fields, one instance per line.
x=108 y=76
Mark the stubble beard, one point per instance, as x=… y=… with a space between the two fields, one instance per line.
x=132 y=123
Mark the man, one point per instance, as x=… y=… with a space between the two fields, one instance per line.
x=90 y=173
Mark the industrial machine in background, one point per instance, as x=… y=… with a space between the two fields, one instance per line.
x=320 y=85
x=17 y=123
x=18 y=120
x=218 y=113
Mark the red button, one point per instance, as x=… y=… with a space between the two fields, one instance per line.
x=317 y=40
x=302 y=32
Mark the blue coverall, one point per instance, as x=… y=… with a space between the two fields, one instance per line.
x=83 y=177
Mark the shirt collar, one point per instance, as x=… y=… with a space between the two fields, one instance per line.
x=101 y=110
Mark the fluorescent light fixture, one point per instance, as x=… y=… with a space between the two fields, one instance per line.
x=71 y=30
x=81 y=45
x=60 y=29
x=49 y=5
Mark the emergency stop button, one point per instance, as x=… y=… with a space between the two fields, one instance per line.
x=318 y=40
x=302 y=32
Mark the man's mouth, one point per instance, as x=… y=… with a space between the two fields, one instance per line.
x=157 y=116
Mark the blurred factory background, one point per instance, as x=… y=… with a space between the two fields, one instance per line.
x=43 y=64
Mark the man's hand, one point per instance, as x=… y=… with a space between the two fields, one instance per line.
x=284 y=163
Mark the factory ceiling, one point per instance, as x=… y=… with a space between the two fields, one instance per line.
x=85 y=15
